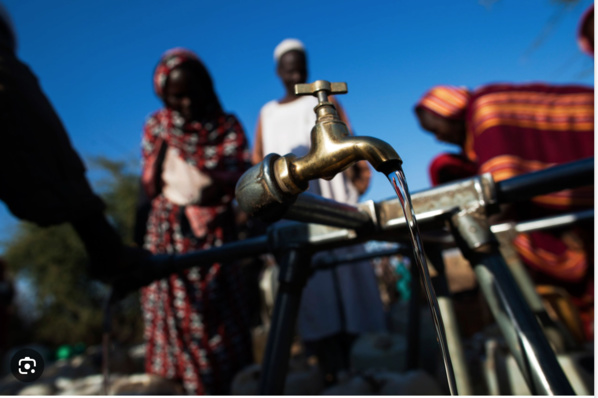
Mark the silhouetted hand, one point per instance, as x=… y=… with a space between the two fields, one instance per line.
x=127 y=264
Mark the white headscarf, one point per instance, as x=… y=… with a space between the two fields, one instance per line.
x=287 y=45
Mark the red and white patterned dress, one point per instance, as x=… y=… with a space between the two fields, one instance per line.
x=196 y=328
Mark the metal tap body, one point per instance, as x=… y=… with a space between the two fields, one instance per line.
x=270 y=187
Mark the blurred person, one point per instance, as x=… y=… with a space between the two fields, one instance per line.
x=402 y=266
x=511 y=129
x=43 y=179
x=295 y=114
x=585 y=32
x=448 y=167
x=342 y=302
x=193 y=152
x=452 y=166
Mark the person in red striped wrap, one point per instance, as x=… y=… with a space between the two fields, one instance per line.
x=196 y=326
x=511 y=129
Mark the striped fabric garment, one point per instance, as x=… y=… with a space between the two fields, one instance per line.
x=517 y=129
x=446 y=101
x=512 y=130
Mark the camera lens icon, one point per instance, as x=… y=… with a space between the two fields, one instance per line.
x=27 y=365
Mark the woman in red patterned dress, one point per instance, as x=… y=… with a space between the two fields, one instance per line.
x=196 y=328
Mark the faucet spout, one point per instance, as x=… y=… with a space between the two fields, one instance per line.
x=332 y=157
x=332 y=148
x=332 y=151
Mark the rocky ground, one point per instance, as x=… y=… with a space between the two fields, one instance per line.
x=378 y=360
x=378 y=368
x=377 y=371
x=82 y=375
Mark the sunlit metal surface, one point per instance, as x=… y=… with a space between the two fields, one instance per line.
x=268 y=188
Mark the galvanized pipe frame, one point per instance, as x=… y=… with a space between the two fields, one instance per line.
x=545 y=376
x=538 y=362
x=373 y=221
x=432 y=207
x=318 y=238
x=292 y=279
x=331 y=224
x=480 y=190
x=525 y=338
x=505 y=234
x=526 y=341
x=497 y=229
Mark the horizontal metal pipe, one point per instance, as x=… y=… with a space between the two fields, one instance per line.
x=314 y=209
x=318 y=210
x=160 y=266
x=227 y=252
x=552 y=179
x=331 y=261
x=483 y=190
x=546 y=223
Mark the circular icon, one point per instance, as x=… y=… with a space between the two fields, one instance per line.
x=27 y=365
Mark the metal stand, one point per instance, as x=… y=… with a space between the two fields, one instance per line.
x=296 y=242
x=294 y=266
x=528 y=344
x=453 y=335
x=505 y=233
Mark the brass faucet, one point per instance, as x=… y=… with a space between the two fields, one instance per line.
x=267 y=189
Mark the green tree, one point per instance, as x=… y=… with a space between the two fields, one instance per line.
x=68 y=304
x=120 y=190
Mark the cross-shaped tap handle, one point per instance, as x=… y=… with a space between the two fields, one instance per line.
x=321 y=89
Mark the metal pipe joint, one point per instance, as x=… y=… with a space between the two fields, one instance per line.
x=473 y=229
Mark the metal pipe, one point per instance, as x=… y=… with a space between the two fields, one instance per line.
x=431 y=203
x=333 y=261
x=449 y=318
x=227 y=252
x=523 y=334
x=294 y=271
x=544 y=223
x=505 y=233
x=482 y=190
x=319 y=210
x=160 y=266
x=554 y=222
x=552 y=179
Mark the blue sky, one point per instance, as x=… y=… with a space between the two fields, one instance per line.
x=95 y=60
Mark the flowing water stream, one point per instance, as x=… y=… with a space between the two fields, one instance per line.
x=399 y=183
